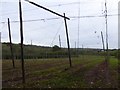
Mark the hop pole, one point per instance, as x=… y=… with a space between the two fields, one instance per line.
x=21 y=34
x=11 y=44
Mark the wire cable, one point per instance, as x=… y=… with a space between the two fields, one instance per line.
x=72 y=17
x=56 y=34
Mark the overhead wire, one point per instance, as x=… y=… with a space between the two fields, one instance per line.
x=43 y=27
x=3 y=26
x=17 y=12
x=72 y=17
x=56 y=34
x=35 y=9
x=58 y=5
x=57 y=18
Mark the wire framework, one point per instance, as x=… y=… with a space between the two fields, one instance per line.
x=72 y=17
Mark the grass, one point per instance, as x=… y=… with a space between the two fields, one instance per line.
x=56 y=73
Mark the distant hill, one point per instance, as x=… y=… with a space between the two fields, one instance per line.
x=34 y=51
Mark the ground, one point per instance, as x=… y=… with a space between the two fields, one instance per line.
x=86 y=72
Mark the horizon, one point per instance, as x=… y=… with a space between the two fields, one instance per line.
x=59 y=46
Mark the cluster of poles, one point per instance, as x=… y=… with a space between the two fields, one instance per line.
x=67 y=37
x=22 y=37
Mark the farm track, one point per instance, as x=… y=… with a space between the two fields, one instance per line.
x=98 y=75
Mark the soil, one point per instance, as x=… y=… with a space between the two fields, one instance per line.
x=98 y=75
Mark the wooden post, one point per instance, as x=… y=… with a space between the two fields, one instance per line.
x=67 y=41
x=103 y=44
x=65 y=24
x=83 y=51
x=102 y=41
x=31 y=42
x=75 y=45
x=12 y=56
x=47 y=9
x=78 y=50
x=107 y=52
x=59 y=41
x=75 y=49
x=21 y=34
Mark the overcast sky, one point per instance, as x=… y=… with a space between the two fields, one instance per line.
x=41 y=27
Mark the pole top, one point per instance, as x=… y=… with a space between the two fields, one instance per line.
x=48 y=9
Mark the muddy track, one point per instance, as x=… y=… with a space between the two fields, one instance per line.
x=97 y=75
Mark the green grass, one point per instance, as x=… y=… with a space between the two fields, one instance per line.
x=113 y=63
x=56 y=73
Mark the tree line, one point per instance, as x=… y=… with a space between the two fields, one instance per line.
x=38 y=52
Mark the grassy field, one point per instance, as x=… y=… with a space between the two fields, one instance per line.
x=86 y=72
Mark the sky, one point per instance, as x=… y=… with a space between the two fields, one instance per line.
x=43 y=28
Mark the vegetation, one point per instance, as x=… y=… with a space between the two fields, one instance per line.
x=48 y=67
x=55 y=73
x=35 y=52
x=38 y=52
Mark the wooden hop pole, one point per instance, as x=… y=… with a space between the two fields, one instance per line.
x=67 y=41
x=107 y=52
x=103 y=41
x=65 y=24
x=21 y=34
x=11 y=48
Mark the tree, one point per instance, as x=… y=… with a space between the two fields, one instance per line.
x=55 y=48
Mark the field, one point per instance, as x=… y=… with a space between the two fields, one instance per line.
x=87 y=71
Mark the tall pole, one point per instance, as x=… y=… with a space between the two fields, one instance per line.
x=83 y=51
x=11 y=48
x=75 y=48
x=102 y=41
x=47 y=9
x=68 y=41
x=65 y=24
x=59 y=41
x=21 y=34
x=106 y=30
x=31 y=42
x=78 y=25
x=75 y=45
x=107 y=54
